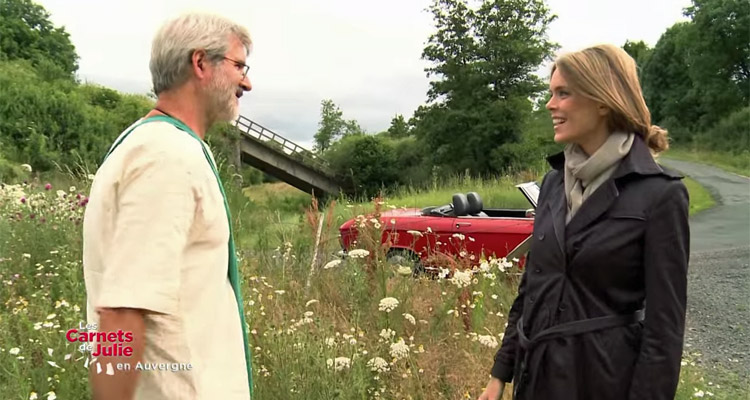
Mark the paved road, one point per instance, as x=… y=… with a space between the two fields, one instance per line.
x=718 y=322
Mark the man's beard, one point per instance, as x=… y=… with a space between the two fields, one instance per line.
x=222 y=102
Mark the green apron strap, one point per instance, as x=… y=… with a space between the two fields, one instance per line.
x=233 y=272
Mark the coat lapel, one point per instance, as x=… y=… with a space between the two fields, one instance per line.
x=593 y=207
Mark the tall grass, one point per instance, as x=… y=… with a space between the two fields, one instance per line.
x=320 y=328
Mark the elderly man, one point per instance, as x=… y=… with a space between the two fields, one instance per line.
x=158 y=254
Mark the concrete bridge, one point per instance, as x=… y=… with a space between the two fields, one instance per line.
x=285 y=160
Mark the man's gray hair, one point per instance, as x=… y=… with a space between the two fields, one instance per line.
x=177 y=39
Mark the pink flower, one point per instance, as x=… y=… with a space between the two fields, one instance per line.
x=23 y=200
x=48 y=186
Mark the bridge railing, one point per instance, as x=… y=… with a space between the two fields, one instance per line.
x=271 y=139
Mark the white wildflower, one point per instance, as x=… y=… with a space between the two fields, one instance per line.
x=410 y=318
x=359 y=253
x=487 y=340
x=33 y=396
x=399 y=350
x=484 y=266
x=342 y=363
x=311 y=302
x=332 y=264
x=14 y=351
x=388 y=304
x=378 y=365
x=51 y=396
x=461 y=278
x=387 y=334
x=415 y=233
x=27 y=167
x=459 y=236
x=698 y=394
x=330 y=342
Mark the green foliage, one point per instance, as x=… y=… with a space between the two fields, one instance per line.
x=485 y=58
x=639 y=51
x=26 y=33
x=368 y=162
x=332 y=126
x=699 y=71
x=46 y=123
x=399 y=127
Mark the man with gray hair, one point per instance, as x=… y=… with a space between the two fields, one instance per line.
x=158 y=250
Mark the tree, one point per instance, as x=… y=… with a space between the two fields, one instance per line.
x=333 y=126
x=485 y=60
x=26 y=33
x=399 y=127
x=639 y=51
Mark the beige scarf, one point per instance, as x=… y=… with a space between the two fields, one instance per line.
x=584 y=174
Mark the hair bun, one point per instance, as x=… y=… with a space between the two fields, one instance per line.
x=657 y=139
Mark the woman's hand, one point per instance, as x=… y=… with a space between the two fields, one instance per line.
x=494 y=390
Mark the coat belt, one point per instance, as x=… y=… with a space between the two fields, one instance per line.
x=568 y=329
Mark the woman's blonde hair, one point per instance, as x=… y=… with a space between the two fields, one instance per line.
x=608 y=75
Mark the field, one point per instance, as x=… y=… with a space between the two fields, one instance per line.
x=322 y=329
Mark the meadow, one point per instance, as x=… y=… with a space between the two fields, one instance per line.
x=320 y=327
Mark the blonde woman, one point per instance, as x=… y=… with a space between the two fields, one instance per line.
x=600 y=311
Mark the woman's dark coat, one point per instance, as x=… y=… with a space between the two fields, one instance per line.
x=626 y=249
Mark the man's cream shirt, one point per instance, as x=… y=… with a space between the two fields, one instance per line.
x=155 y=237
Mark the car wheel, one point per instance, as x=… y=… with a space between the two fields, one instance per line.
x=405 y=258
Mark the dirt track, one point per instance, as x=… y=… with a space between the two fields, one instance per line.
x=718 y=320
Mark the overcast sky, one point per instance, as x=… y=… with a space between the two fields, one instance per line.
x=364 y=55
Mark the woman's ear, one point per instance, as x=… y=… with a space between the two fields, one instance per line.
x=603 y=110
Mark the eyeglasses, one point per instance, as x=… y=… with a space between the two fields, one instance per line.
x=240 y=66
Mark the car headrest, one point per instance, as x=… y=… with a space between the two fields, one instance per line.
x=475 y=203
x=460 y=204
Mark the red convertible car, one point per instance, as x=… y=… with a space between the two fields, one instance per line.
x=463 y=229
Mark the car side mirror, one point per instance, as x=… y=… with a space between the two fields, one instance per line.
x=530 y=213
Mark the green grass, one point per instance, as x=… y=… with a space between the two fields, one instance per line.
x=276 y=232
x=736 y=163
x=700 y=197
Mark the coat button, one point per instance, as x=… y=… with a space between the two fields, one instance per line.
x=541 y=236
x=531 y=299
x=538 y=270
x=562 y=307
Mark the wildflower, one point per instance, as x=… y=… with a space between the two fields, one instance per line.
x=487 y=340
x=279 y=292
x=332 y=264
x=23 y=200
x=330 y=342
x=340 y=363
x=14 y=351
x=33 y=396
x=72 y=189
x=91 y=177
x=410 y=318
x=378 y=365
x=54 y=364
x=387 y=334
x=49 y=351
x=313 y=301
x=399 y=350
x=484 y=266
x=459 y=236
x=388 y=304
x=308 y=314
x=27 y=167
x=26 y=255
x=48 y=186
x=698 y=394
x=461 y=278
x=61 y=194
x=51 y=396
x=415 y=233
x=51 y=316
x=359 y=253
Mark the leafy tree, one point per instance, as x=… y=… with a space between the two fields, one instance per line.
x=333 y=126
x=399 y=127
x=639 y=51
x=368 y=161
x=485 y=59
x=26 y=33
